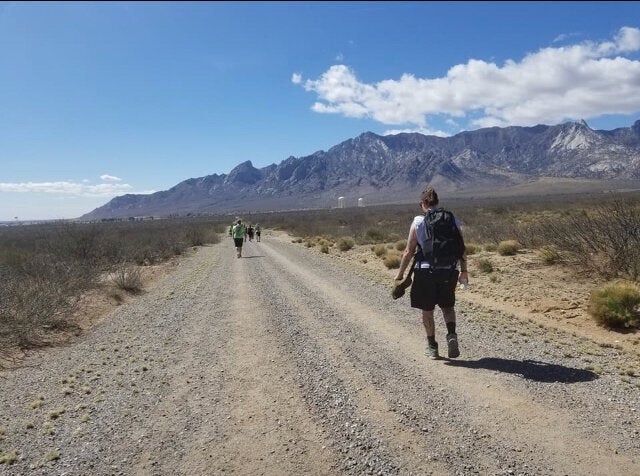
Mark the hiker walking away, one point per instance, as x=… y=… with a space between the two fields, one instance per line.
x=238 y=233
x=250 y=231
x=438 y=246
x=258 y=232
x=231 y=230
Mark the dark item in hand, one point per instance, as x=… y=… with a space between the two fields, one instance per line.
x=400 y=287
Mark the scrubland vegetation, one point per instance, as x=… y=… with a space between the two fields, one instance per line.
x=597 y=235
x=45 y=268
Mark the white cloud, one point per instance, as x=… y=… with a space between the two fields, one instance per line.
x=565 y=36
x=110 y=178
x=296 y=78
x=421 y=130
x=552 y=85
x=628 y=39
x=68 y=188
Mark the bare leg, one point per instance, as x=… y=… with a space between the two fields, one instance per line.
x=449 y=314
x=429 y=324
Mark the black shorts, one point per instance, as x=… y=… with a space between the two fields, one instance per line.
x=238 y=242
x=431 y=287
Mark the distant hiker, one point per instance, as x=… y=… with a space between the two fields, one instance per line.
x=238 y=236
x=440 y=250
x=250 y=231
x=231 y=230
x=257 y=232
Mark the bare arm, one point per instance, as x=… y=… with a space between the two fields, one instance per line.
x=464 y=275
x=409 y=251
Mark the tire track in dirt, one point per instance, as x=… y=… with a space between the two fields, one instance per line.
x=370 y=429
x=268 y=429
x=519 y=421
x=175 y=442
x=382 y=390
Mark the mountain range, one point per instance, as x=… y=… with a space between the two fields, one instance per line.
x=395 y=168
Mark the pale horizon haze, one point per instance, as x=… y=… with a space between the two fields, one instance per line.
x=101 y=99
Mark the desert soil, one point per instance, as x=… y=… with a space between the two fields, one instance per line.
x=290 y=361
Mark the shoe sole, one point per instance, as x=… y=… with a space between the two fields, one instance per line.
x=454 y=351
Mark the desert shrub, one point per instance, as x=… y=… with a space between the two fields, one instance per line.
x=45 y=267
x=489 y=225
x=379 y=250
x=392 y=260
x=471 y=248
x=490 y=247
x=605 y=239
x=374 y=235
x=345 y=243
x=127 y=277
x=401 y=245
x=324 y=248
x=14 y=258
x=36 y=299
x=615 y=305
x=485 y=265
x=194 y=236
x=393 y=237
x=549 y=254
x=508 y=247
x=82 y=242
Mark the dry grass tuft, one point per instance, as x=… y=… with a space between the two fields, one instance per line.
x=508 y=247
x=549 y=255
x=392 y=260
x=616 y=305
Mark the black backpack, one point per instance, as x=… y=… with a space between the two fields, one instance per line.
x=442 y=244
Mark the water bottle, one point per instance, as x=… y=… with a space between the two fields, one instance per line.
x=464 y=283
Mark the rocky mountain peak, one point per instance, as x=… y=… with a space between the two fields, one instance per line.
x=575 y=135
x=244 y=174
x=389 y=168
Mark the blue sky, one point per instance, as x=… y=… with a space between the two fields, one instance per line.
x=102 y=99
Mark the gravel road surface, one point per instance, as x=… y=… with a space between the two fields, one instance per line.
x=289 y=362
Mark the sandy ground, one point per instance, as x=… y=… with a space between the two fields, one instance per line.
x=523 y=285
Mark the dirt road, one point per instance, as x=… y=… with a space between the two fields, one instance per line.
x=288 y=362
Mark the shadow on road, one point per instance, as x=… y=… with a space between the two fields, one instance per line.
x=529 y=369
x=254 y=256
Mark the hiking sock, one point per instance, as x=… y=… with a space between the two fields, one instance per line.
x=431 y=340
x=451 y=327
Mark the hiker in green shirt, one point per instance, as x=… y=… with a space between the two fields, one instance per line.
x=238 y=233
